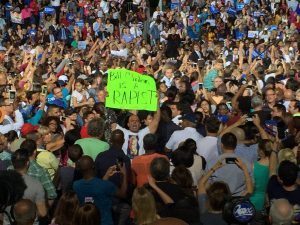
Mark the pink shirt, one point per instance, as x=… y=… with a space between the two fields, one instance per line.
x=26 y=13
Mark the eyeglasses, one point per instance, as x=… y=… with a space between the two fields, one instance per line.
x=57 y=92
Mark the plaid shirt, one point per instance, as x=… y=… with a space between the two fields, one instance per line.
x=39 y=173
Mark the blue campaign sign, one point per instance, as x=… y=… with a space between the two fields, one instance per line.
x=239 y=35
x=256 y=14
x=81 y=45
x=272 y=27
x=240 y=6
x=252 y=34
x=49 y=10
x=213 y=9
x=80 y=23
x=231 y=11
x=174 y=6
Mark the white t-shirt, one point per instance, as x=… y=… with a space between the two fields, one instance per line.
x=55 y=3
x=181 y=135
x=177 y=120
x=136 y=2
x=196 y=169
x=162 y=35
x=156 y=13
x=79 y=96
x=136 y=31
x=133 y=145
x=105 y=7
x=208 y=148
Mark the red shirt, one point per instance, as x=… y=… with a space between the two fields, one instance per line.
x=141 y=167
x=83 y=132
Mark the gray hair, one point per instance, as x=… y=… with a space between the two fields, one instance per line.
x=95 y=127
x=256 y=101
x=281 y=212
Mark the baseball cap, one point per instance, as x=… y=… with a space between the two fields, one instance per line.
x=189 y=117
x=58 y=102
x=63 y=78
x=27 y=128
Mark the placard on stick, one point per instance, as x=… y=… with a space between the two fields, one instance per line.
x=130 y=90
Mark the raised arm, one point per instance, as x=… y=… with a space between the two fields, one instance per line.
x=240 y=122
x=236 y=96
x=156 y=118
x=202 y=184
x=166 y=198
x=241 y=54
x=273 y=159
x=261 y=130
x=249 y=184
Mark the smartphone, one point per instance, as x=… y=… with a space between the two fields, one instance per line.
x=119 y=163
x=12 y=96
x=249 y=119
x=201 y=63
x=44 y=90
x=230 y=160
x=200 y=86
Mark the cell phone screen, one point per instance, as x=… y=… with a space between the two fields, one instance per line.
x=119 y=163
x=12 y=96
x=200 y=86
x=230 y=160
x=44 y=90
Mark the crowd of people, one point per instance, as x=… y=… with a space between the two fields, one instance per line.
x=223 y=146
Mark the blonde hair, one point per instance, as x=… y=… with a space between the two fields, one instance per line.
x=287 y=154
x=43 y=130
x=167 y=66
x=143 y=205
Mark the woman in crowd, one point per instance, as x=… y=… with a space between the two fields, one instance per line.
x=66 y=208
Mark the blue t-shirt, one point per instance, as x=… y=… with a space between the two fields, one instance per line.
x=100 y=192
x=52 y=100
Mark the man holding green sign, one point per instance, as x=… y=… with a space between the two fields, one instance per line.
x=130 y=90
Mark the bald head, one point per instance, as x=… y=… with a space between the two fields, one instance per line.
x=281 y=212
x=288 y=94
x=86 y=164
x=117 y=138
x=24 y=212
x=239 y=133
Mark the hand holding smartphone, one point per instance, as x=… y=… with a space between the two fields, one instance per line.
x=44 y=90
x=119 y=164
x=12 y=96
x=230 y=160
x=200 y=86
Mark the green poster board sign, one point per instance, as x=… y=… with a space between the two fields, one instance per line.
x=130 y=90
